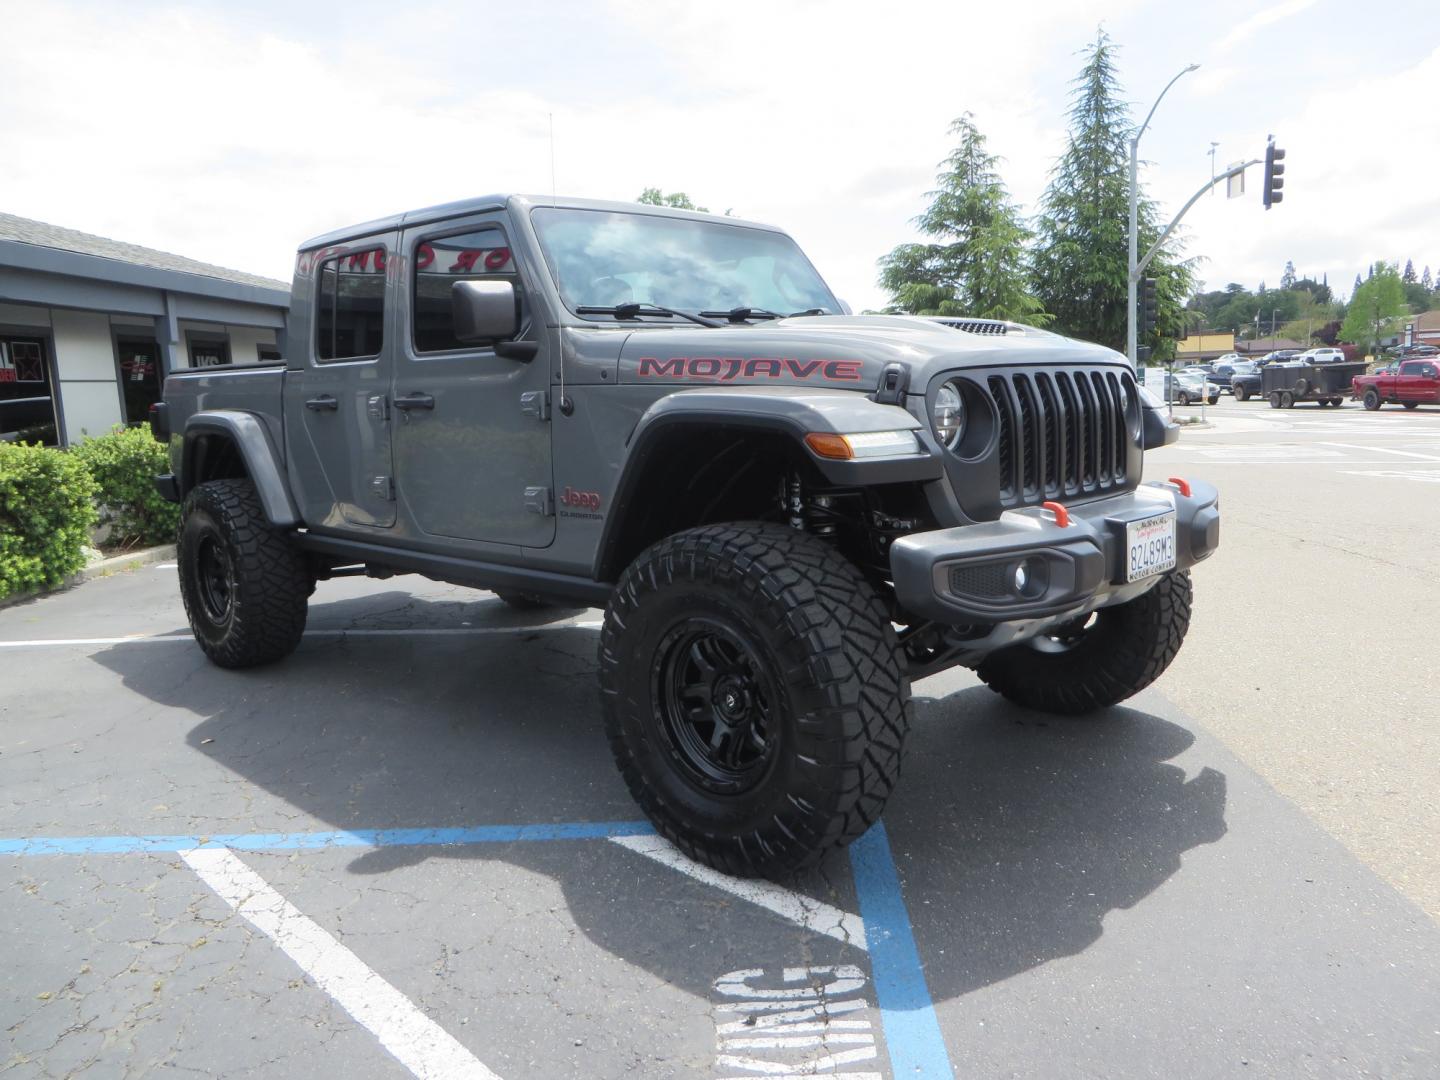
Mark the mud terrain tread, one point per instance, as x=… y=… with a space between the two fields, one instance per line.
x=840 y=664
x=1130 y=650
x=272 y=584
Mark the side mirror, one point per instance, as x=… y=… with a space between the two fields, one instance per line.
x=482 y=312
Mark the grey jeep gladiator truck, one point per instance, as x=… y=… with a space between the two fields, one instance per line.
x=788 y=513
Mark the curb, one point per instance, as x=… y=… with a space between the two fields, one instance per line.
x=117 y=564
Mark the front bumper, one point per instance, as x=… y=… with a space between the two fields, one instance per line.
x=964 y=576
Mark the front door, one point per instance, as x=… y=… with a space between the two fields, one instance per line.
x=337 y=408
x=472 y=434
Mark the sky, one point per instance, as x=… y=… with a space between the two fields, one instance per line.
x=231 y=132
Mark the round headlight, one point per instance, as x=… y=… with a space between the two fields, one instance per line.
x=948 y=415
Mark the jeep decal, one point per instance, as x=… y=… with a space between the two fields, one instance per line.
x=729 y=368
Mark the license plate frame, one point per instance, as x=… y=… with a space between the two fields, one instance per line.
x=1150 y=546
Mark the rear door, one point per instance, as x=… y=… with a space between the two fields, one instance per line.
x=472 y=428
x=337 y=414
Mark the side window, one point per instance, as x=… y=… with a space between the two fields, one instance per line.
x=1410 y=368
x=441 y=261
x=350 y=305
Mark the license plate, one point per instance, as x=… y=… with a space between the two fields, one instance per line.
x=1150 y=546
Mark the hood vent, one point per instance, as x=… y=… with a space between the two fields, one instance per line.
x=987 y=327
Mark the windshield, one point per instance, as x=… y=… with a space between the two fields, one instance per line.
x=603 y=258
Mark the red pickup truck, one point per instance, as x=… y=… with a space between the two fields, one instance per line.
x=1417 y=382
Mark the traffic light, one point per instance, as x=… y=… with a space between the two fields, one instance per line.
x=1149 y=307
x=1274 y=174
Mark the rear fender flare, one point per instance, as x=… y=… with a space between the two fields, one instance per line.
x=262 y=462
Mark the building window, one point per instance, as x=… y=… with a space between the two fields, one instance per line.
x=440 y=262
x=208 y=350
x=27 y=400
x=350 y=306
x=139 y=360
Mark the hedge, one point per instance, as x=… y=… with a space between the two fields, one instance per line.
x=124 y=465
x=46 y=513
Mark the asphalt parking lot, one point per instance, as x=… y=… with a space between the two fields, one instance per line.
x=405 y=850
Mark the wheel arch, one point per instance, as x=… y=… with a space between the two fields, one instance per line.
x=706 y=456
x=225 y=444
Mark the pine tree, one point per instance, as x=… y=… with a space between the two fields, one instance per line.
x=1356 y=287
x=978 y=264
x=1287 y=279
x=1080 y=254
x=1408 y=277
x=1425 y=278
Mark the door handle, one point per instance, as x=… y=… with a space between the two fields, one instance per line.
x=414 y=401
x=323 y=403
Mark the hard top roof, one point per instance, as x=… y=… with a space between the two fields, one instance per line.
x=483 y=203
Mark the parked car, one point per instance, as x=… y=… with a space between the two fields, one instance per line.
x=1411 y=352
x=755 y=498
x=1279 y=356
x=1189 y=388
x=1416 y=383
x=1324 y=355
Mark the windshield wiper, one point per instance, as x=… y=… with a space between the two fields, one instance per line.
x=631 y=311
x=741 y=314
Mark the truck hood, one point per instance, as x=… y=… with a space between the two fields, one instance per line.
x=847 y=352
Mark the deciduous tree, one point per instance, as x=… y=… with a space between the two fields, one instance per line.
x=1376 y=309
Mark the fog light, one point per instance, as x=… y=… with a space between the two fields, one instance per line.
x=1030 y=578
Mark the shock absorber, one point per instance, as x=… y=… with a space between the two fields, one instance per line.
x=795 y=502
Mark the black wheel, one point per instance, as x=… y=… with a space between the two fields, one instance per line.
x=754 y=696
x=523 y=601
x=1411 y=404
x=1274 y=399
x=245 y=586
x=1184 y=398
x=1097 y=661
x=1337 y=403
x=1287 y=399
x=1242 y=393
x=1372 y=400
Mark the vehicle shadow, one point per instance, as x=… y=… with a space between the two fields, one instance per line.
x=1026 y=831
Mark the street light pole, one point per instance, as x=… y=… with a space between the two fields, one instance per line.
x=1132 y=271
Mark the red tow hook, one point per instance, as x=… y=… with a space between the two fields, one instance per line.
x=1183 y=485
x=1062 y=516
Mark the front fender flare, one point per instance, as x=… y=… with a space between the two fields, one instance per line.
x=793 y=412
x=262 y=462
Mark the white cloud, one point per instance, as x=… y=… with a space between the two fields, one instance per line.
x=1244 y=31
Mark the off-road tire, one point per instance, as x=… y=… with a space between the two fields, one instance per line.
x=1125 y=650
x=523 y=601
x=825 y=651
x=1372 y=400
x=228 y=550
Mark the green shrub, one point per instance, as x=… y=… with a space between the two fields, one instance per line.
x=46 y=513
x=124 y=465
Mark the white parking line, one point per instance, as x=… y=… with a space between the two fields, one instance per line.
x=814 y=915
x=416 y=1041
x=443 y=631
x=1385 y=450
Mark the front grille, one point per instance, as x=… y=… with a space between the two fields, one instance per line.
x=1062 y=433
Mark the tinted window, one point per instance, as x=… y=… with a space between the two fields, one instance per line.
x=440 y=262
x=350 y=306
